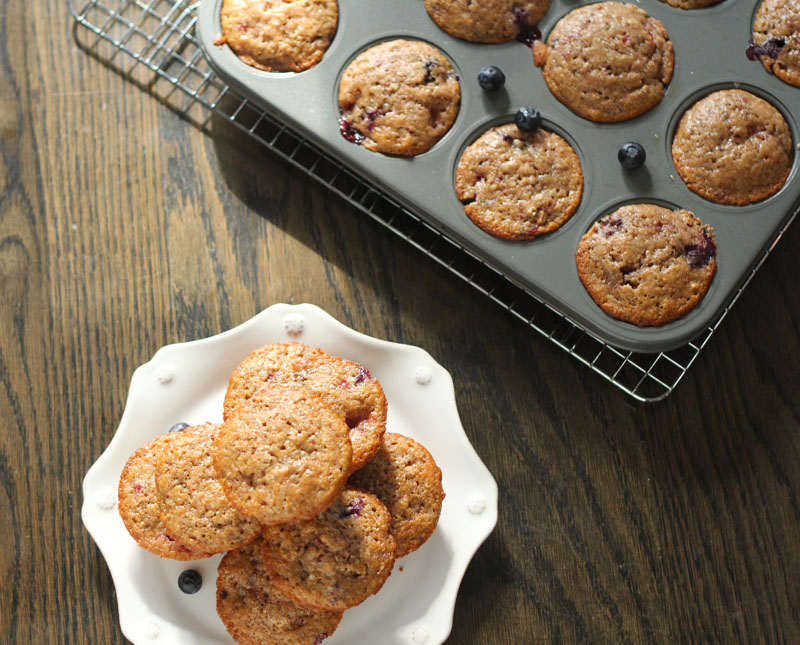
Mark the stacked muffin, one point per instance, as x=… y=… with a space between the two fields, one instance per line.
x=301 y=487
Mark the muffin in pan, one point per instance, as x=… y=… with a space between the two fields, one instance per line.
x=607 y=62
x=519 y=185
x=279 y=35
x=776 y=39
x=399 y=98
x=733 y=147
x=646 y=264
x=488 y=21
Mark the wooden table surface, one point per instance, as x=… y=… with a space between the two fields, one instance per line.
x=125 y=227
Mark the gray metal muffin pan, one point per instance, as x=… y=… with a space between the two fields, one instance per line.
x=709 y=55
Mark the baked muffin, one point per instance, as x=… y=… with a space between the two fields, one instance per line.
x=279 y=35
x=488 y=21
x=776 y=39
x=405 y=477
x=518 y=185
x=191 y=501
x=399 y=97
x=607 y=62
x=138 y=504
x=283 y=455
x=733 y=147
x=254 y=612
x=646 y=264
x=691 y=4
x=347 y=387
x=336 y=560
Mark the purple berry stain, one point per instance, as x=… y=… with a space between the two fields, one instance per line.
x=698 y=255
x=318 y=640
x=371 y=117
x=610 y=226
x=363 y=375
x=355 y=506
x=349 y=132
x=430 y=65
x=508 y=139
x=771 y=48
x=528 y=33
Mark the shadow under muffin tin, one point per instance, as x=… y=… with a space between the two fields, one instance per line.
x=710 y=54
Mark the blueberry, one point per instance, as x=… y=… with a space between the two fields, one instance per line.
x=491 y=78
x=700 y=254
x=631 y=155
x=190 y=581
x=770 y=48
x=528 y=119
x=528 y=33
x=177 y=427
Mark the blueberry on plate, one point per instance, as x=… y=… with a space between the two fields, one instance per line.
x=190 y=581
x=491 y=78
x=631 y=155
x=528 y=119
x=177 y=427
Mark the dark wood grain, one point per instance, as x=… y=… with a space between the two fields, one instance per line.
x=124 y=227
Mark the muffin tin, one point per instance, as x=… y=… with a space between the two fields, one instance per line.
x=710 y=49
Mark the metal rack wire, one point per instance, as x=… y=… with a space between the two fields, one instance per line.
x=161 y=54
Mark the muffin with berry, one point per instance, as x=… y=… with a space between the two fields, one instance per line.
x=489 y=21
x=399 y=97
x=776 y=39
x=646 y=264
x=517 y=184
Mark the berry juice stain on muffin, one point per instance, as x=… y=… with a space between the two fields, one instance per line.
x=489 y=21
x=399 y=97
x=607 y=62
x=776 y=39
x=733 y=147
x=518 y=185
x=279 y=35
x=646 y=264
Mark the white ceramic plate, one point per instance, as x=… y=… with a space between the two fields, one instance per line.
x=186 y=382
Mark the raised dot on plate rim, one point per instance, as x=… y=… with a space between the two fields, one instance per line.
x=165 y=374
x=294 y=324
x=422 y=375
x=151 y=629
x=419 y=634
x=476 y=504
x=106 y=498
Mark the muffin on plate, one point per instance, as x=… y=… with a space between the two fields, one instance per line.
x=489 y=21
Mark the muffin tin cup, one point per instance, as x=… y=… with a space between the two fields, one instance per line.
x=709 y=55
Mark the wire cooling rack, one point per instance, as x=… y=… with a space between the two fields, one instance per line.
x=153 y=45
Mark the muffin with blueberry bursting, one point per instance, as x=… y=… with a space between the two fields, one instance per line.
x=518 y=185
x=776 y=39
x=489 y=21
x=399 y=98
